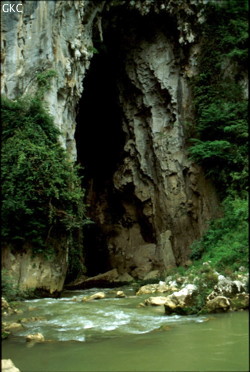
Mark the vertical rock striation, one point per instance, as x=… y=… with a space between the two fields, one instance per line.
x=164 y=199
x=50 y=35
x=156 y=202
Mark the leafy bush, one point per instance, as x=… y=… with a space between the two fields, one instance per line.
x=225 y=243
x=221 y=116
x=42 y=195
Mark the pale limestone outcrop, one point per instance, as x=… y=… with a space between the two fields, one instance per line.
x=49 y=35
x=218 y=304
x=156 y=301
x=165 y=198
x=120 y=294
x=227 y=287
x=176 y=200
x=36 y=272
x=8 y=366
x=180 y=301
x=12 y=327
x=36 y=337
x=95 y=296
x=161 y=287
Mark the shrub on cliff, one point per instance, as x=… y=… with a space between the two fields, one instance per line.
x=221 y=127
x=221 y=107
x=225 y=244
x=42 y=195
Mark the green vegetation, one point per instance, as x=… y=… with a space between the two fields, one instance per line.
x=221 y=127
x=226 y=241
x=220 y=142
x=44 y=82
x=42 y=197
x=10 y=291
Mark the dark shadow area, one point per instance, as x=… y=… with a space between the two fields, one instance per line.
x=100 y=141
x=99 y=135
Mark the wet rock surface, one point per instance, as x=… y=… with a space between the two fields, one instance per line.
x=8 y=366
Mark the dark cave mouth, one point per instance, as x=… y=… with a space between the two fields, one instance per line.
x=99 y=134
x=100 y=141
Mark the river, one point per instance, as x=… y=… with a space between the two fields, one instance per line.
x=114 y=334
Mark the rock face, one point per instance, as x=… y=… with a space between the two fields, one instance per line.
x=45 y=36
x=8 y=366
x=36 y=272
x=160 y=199
x=156 y=202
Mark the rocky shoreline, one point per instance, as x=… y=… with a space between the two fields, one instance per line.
x=199 y=291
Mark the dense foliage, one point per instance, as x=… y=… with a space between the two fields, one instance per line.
x=220 y=140
x=226 y=242
x=221 y=125
x=42 y=197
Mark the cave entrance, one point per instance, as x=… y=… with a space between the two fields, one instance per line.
x=100 y=141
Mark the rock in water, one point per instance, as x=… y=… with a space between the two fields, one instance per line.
x=37 y=337
x=8 y=366
x=218 y=304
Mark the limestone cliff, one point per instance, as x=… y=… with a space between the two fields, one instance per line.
x=155 y=202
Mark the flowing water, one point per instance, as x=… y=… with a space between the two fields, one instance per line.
x=114 y=334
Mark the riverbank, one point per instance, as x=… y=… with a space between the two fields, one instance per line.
x=199 y=291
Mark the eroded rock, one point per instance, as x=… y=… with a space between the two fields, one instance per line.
x=95 y=296
x=156 y=301
x=181 y=302
x=8 y=366
x=120 y=294
x=227 y=287
x=13 y=327
x=218 y=304
x=36 y=337
x=153 y=288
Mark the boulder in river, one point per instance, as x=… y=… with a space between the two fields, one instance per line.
x=218 y=304
x=13 y=327
x=95 y=296
x=120 y=294
x=8 y=366
x=180 y=302
x=156 y=301
x=172 y=308
x=36 y=337
x=161 y=287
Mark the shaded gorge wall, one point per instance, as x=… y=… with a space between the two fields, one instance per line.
x=122 y=115
x=148 y=201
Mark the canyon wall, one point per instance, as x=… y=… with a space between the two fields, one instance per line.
x=156 y=202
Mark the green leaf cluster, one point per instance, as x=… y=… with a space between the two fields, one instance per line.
x=42 y=197
x=225 y=243
x=220 y=143
x=220 y=130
